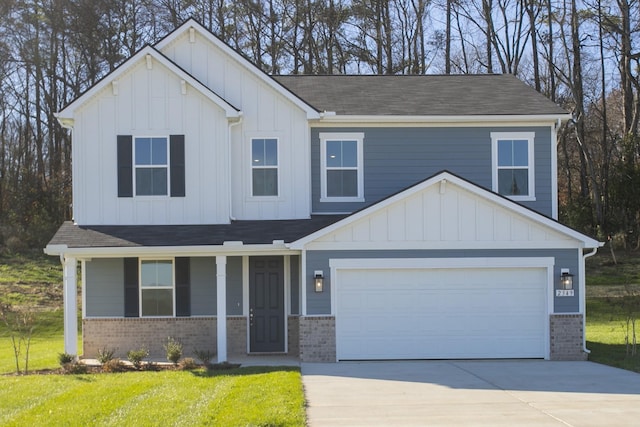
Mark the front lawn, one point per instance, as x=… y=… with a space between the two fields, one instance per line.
x=239 y=397
x=606 y=333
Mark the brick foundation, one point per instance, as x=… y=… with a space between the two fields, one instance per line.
x=293 y=331
x=566 y=335
x=195 y=333
x=133 y=333
x=317 y=339
x=236 y=336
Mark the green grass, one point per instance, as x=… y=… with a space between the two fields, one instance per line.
x=606 y=334
x=602 y=271
x=47 y=341
x=26 y=269
x=245 y=396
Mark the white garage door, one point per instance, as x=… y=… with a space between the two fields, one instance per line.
x=441 y=313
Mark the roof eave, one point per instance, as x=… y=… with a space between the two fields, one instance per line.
x=497 y=118
x=311 y=112
x=583 y=241
x=66 y=115
x=228 y=248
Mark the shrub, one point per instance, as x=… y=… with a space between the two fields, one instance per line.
x=65 y=358
x=74 y=368
x=204 y=356
x=113 y=365
x=174 y=350
x=136 y=356
x=151 y=366
x=188 y=364
x=105 y=355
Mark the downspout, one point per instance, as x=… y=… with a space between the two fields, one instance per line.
x=230 y=185
x=583 y=291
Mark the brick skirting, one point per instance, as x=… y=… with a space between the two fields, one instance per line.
x=195 y=333
x=124 y=334
x=567 y=335
x=317 y=339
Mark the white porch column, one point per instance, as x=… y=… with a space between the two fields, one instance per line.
x=70 y=296
x=221 y=312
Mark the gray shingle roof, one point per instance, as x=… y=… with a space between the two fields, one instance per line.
x=428 y=95
x=249 y=232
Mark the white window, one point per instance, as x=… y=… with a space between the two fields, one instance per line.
x=264 y=166
x=513 y=166
x=341 y=167
x=151 y=166
x=156 y=287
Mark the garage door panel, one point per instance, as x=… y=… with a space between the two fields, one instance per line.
x=441 y=313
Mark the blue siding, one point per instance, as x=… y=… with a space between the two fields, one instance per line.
x=295 y=284
x=203 y=286
x=320 y=303
x=104 y=288
x=396 y=158
x=234 y=286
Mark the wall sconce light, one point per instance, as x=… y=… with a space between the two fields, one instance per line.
x=566 y=279
x=318 y=281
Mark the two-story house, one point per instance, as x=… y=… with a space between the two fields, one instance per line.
x=324 y=217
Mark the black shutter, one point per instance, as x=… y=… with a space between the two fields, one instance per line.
x=176 y=154
x=131 y=294
x=183 y=287
x=125 y=166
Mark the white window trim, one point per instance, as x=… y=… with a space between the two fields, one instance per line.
x=529 y=136
x=136 y=166
x=173 y=287
x=251 y=168
x=334 y=136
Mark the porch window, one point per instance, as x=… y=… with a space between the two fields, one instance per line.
x=156 y=287
x=513 y=171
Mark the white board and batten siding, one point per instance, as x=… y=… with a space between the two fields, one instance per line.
x=150 y=102
x=442 y=308
x=442 y=217
x=266 y=113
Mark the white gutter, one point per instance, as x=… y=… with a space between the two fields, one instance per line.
x=227 y=248
x=230 y=183
x=583 y=297
x=331 y=117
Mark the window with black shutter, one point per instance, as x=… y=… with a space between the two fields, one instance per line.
x=151 y=166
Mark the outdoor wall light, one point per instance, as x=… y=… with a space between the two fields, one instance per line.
x=566 y=279
x=318 y=281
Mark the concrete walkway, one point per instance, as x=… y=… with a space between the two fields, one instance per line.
x=470 y=393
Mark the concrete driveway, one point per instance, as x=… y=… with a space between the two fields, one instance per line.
x=468 y=393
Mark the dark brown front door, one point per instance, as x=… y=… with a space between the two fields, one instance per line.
x=266 y=304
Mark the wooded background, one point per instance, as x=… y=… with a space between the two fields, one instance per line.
x=583 y=55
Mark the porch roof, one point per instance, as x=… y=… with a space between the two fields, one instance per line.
x=248 y=232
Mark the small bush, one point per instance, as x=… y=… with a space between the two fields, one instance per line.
x=105 y=355
x=205 y=357
x=65 y=358
x=174 y=350
x=74 y=368
x=136 y=356
x=113 y=365
x=151 y=366
x=188 y=364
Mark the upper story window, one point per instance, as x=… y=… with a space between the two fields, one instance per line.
x=513 y=165
x=156 y=287
x=341 y=167
x=152 y=164
x=264 y=167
